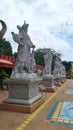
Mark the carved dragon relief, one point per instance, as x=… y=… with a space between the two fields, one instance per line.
x=4 y=28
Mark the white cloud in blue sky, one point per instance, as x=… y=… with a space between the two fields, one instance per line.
x=50 y=23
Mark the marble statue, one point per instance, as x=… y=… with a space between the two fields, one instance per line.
x=59 y=71
x=63 y=71
x=24 y=58
x=48 y=61
x=32 y=62
x=57 y=66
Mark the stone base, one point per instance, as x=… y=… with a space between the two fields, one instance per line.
x=48 y=83
x=58 y=85
x=23 y=91
x=49 y=89
x=58 y=81
x=21 y=108
x=22 y=101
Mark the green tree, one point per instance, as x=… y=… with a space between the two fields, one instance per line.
x=5 y=47
x=68 y=67
x=67 y=64
x=39 y=57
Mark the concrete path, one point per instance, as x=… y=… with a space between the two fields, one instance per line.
x=36 y=120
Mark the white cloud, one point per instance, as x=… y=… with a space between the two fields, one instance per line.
x=46 y=18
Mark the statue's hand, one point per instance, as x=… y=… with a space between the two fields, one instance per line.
x=15 y=37
x=19 y=27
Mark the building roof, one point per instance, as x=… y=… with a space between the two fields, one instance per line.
x=40 y=67
x=7 y=61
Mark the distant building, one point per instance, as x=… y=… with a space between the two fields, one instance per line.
x=7 y=61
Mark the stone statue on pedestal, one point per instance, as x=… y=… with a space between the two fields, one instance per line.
x=47 y=77
x=59 y=70
x=24 y=83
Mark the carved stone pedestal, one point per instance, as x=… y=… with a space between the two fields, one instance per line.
x=48 y=82
x=58 y=81
x=24 y=93
x=63 y=79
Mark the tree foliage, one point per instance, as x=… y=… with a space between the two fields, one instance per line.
x=39 y=57
x=68 y=67
x=5 y=47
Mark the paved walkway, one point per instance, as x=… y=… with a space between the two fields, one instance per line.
x=36 y=120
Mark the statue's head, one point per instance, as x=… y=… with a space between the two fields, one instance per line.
x=25 y=27
x=46 y=50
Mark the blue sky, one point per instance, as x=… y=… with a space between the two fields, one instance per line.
x=50 y=23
